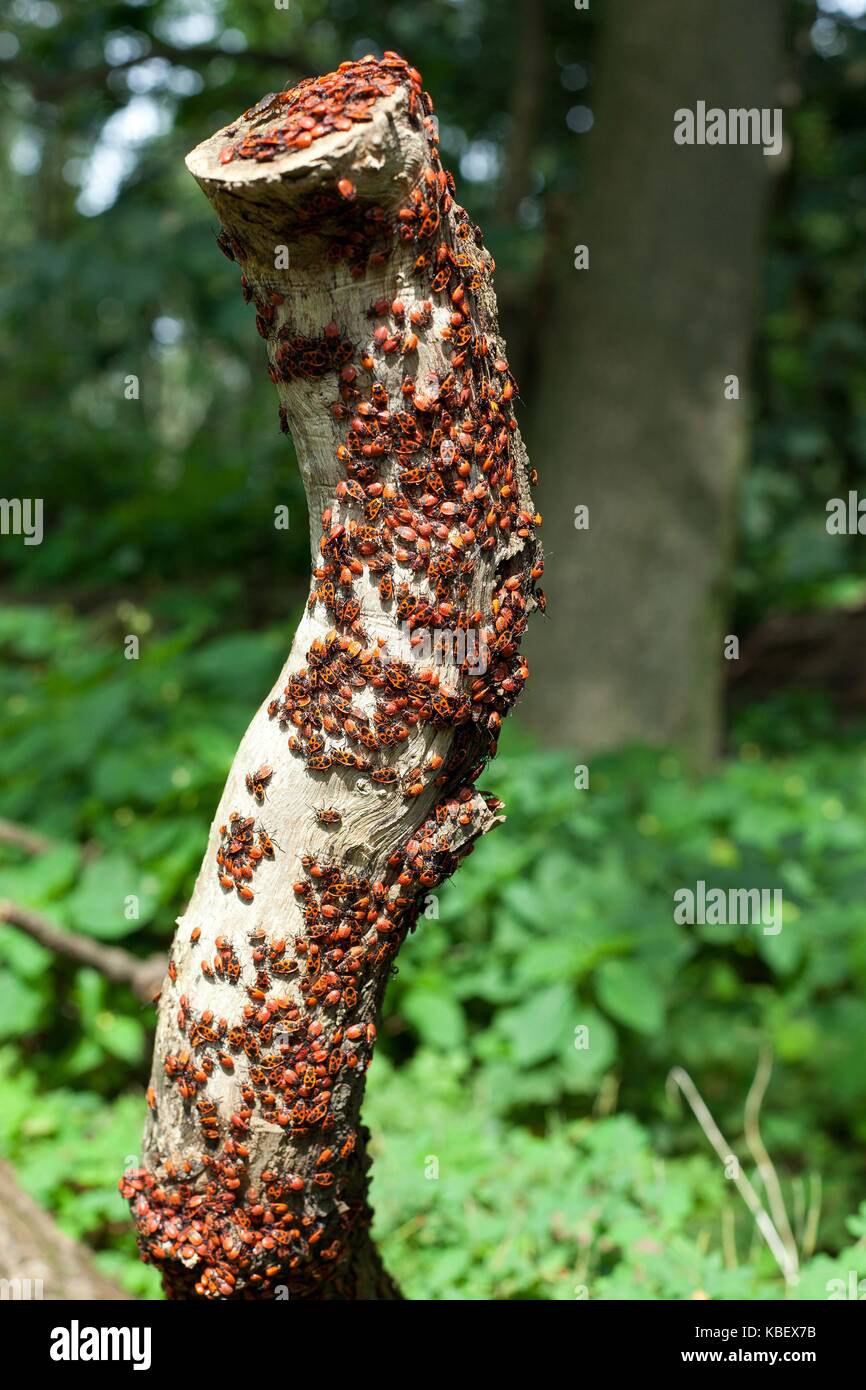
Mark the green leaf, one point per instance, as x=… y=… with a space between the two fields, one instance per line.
x=98 y=905
x=542 y=1026
x=20 y=1006
x=434 y=1016
x=593 y=1047
x=122 y=1037
x=630 y=996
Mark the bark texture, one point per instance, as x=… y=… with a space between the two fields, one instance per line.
x=353 y=791
x=630 y=416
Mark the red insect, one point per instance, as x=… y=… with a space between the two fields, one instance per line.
x=257 y=781
x=266 y=844
x=385 y=777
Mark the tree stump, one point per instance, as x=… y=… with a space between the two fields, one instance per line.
x=353 y=792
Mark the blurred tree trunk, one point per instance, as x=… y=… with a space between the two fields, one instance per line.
x=527 y=97
x=632 y=419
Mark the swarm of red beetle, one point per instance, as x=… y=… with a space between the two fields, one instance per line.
x=450 y=495
x=211 y=1220
x=430 y=486
x=293 y=119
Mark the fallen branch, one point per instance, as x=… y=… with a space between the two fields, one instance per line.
x=37 y=1259
x=143 y=977
x=20 y=837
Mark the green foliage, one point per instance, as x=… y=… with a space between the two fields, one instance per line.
x=163 y=486
x=562 y=1165
x=809 y=441
x=468 y=1208
x=564 y=919
x=66 y=1143
x=127 y=269
x=537 y=1009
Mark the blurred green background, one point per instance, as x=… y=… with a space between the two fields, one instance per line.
x=562 y=1172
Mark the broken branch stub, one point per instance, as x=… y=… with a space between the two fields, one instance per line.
x=353 y=792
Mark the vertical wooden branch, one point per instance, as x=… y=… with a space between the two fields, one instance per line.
x=353 y=791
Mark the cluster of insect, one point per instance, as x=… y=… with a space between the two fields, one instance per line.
x=285 y=122
x=242 y=849
x=207 y=1216
x=431 y=488
x=318 y=106
x=333 y=730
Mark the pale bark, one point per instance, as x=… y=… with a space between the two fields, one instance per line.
x=261 y=208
